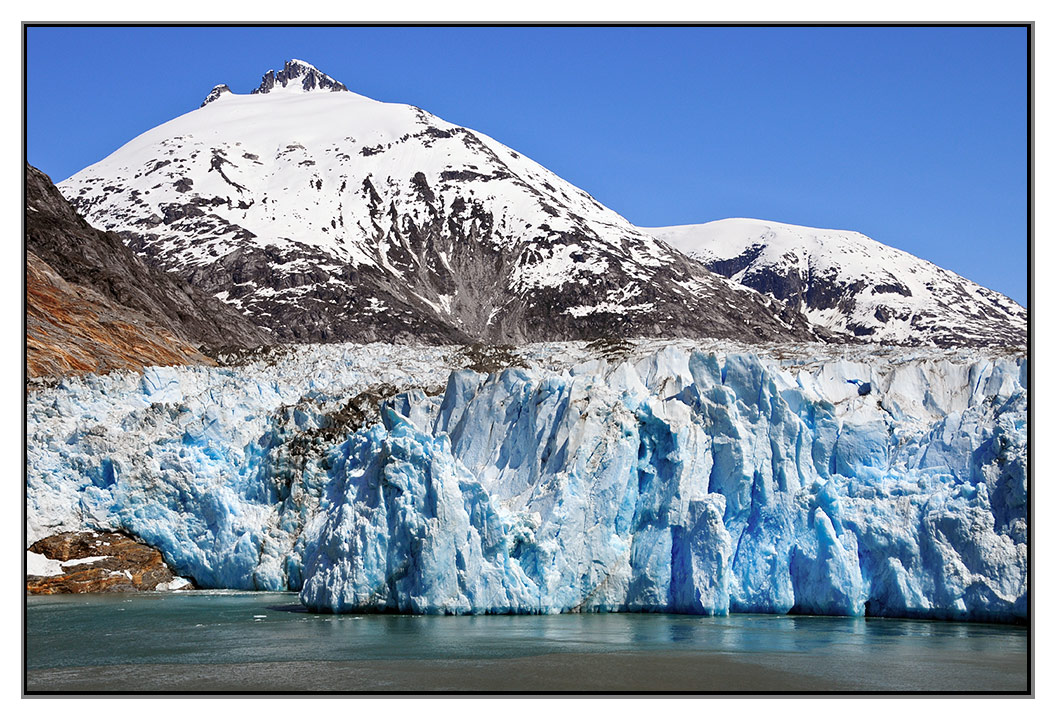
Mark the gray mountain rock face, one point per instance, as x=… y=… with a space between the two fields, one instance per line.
x=98 y=260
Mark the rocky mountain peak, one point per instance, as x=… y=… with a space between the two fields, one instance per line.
x=215 y=93
x=298 y=75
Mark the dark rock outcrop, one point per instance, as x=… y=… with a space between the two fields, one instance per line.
x=297 y=71
x=214 y=94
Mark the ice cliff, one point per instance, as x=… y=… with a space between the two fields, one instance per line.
x=658 y=477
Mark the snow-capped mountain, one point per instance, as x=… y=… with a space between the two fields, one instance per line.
x=326 y=215
x=853 y=285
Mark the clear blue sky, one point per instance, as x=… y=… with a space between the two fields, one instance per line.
x=915 y=136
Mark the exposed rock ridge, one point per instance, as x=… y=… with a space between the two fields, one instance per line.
x=215 y=93
x=93 y=305
x=298 y=73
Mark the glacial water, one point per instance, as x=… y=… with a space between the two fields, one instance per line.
x=267 y=642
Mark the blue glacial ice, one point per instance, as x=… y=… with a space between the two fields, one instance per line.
x=682 y=478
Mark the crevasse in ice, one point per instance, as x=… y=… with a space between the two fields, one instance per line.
x=678 y=479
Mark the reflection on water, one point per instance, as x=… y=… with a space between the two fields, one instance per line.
x=197 y=628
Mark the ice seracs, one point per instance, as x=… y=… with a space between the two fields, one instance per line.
x=656 y=476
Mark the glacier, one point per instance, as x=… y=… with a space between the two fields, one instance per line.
x=694 y=477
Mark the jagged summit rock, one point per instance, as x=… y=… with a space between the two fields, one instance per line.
x=298 y=75
x=215 y=93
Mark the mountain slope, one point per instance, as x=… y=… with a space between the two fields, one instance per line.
x=853 y=285
x=93 y=305
x=326 y=216
x=74 y=329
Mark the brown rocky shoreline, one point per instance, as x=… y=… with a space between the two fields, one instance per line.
x=92 y=562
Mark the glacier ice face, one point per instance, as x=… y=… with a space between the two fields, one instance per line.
x=685 y=478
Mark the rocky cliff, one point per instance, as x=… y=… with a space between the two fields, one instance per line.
x=93 y=305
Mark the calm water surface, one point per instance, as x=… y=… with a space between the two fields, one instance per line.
x=266 y=642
